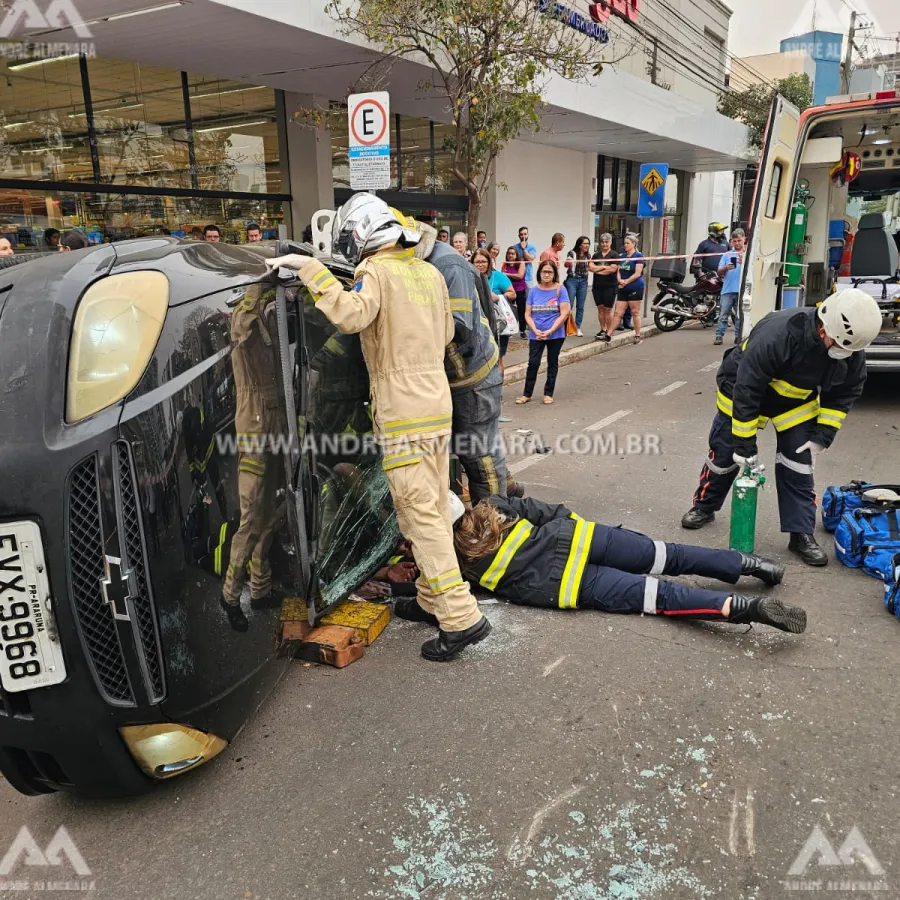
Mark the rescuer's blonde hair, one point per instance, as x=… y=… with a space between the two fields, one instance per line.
x=479 y=533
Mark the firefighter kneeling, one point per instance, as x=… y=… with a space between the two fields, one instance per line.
x=803 y=369
x=401 y=309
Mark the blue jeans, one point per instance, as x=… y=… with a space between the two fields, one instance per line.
x=577 y=288
x=728 y=306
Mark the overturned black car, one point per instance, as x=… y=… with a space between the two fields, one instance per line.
x=119 y=469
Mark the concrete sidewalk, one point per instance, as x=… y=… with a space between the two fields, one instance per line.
x=584 y=348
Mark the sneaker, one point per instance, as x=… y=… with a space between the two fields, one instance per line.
x=504 y=419
x=718 y=340
x=579 y=333
x=448 y=644
x=638 y=340
x=600 y=335
x=522 y=335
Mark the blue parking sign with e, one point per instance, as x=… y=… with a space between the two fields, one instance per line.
x=652 y=190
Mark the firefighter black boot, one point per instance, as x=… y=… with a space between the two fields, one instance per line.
x=408 y=608
x=696 y=517
x=766 y=570
x=767 y=611
x=448 y=644
x=236 y=618
x=805 y=546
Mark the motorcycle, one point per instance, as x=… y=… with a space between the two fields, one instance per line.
x=677 y=303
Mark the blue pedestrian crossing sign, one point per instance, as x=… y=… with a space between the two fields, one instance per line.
x=652 y=190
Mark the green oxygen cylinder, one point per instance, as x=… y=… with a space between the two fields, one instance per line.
x=744 y=498
x=796 y=239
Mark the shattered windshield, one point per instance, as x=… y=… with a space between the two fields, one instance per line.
x=358 y=524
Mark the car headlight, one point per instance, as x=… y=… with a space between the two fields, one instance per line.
x=163 y=751
x=117 y=326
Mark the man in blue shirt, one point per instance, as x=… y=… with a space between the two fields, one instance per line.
x=714 y=244
x=526 y=251
x=730 y=266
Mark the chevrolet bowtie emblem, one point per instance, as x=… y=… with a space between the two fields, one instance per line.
x=118 y=588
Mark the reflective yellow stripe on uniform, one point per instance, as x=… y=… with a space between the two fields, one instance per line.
x=724 y=405
x=490 y=472
x=517 y=536
x=574 y=571
x=763 y=421
x=394 y=560
x=398 y=460
x=252 y=466
x=789 y=390
x=745 y=429
x=217 y=556
x=834 y=418
x=480 y=374
x=411 y=426
x=460 y=304
x=575 y=516
x=445 y=581
x=796 y=416
x=456 y=359
x=322 y=282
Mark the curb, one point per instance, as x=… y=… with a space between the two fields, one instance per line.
x=516 y=373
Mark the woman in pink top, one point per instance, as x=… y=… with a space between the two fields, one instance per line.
x=514 y=269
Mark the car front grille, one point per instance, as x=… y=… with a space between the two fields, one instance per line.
x=98 y=628
x=134 y=557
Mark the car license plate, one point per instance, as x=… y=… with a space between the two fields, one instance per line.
x=28 y=657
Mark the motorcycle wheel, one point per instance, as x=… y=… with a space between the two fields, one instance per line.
x=666 y=321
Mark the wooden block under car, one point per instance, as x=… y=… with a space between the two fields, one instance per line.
x=333 y=645
x=367 y=619
x=294 y=619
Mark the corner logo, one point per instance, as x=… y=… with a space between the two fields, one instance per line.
x=60 y=845
x=819 y=852
x=26 y=14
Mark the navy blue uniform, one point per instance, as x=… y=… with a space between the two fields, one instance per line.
x=782 y=373
x=551 y=557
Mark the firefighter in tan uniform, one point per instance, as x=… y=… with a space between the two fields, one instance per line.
x=258 y=421
x=400 y=307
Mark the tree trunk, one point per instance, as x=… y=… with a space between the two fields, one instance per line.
x=474 y=212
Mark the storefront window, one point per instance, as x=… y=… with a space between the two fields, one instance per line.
x=235 y=136
x=139 y=119
x=40 y=140
x=113 y=217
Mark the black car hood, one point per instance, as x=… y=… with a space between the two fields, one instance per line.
x=37 y=306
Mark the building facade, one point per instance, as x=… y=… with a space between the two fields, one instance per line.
x=177 y=114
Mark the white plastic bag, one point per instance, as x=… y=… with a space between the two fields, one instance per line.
x=505 y=316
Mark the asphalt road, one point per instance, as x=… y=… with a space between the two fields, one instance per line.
x=573 y=755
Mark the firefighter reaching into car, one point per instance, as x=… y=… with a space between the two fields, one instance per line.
x=401 y=308
x=540 y=554
x=803 y=369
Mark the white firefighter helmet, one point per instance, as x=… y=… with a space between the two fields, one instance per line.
x=457 y=509
x=364 y=224
x=851 y=319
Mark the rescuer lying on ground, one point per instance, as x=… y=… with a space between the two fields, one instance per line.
x=538 y=554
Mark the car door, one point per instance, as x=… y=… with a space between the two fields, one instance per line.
x=763 y=269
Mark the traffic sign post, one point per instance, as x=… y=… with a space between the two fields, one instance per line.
x=369 y=117
x=652 y=190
